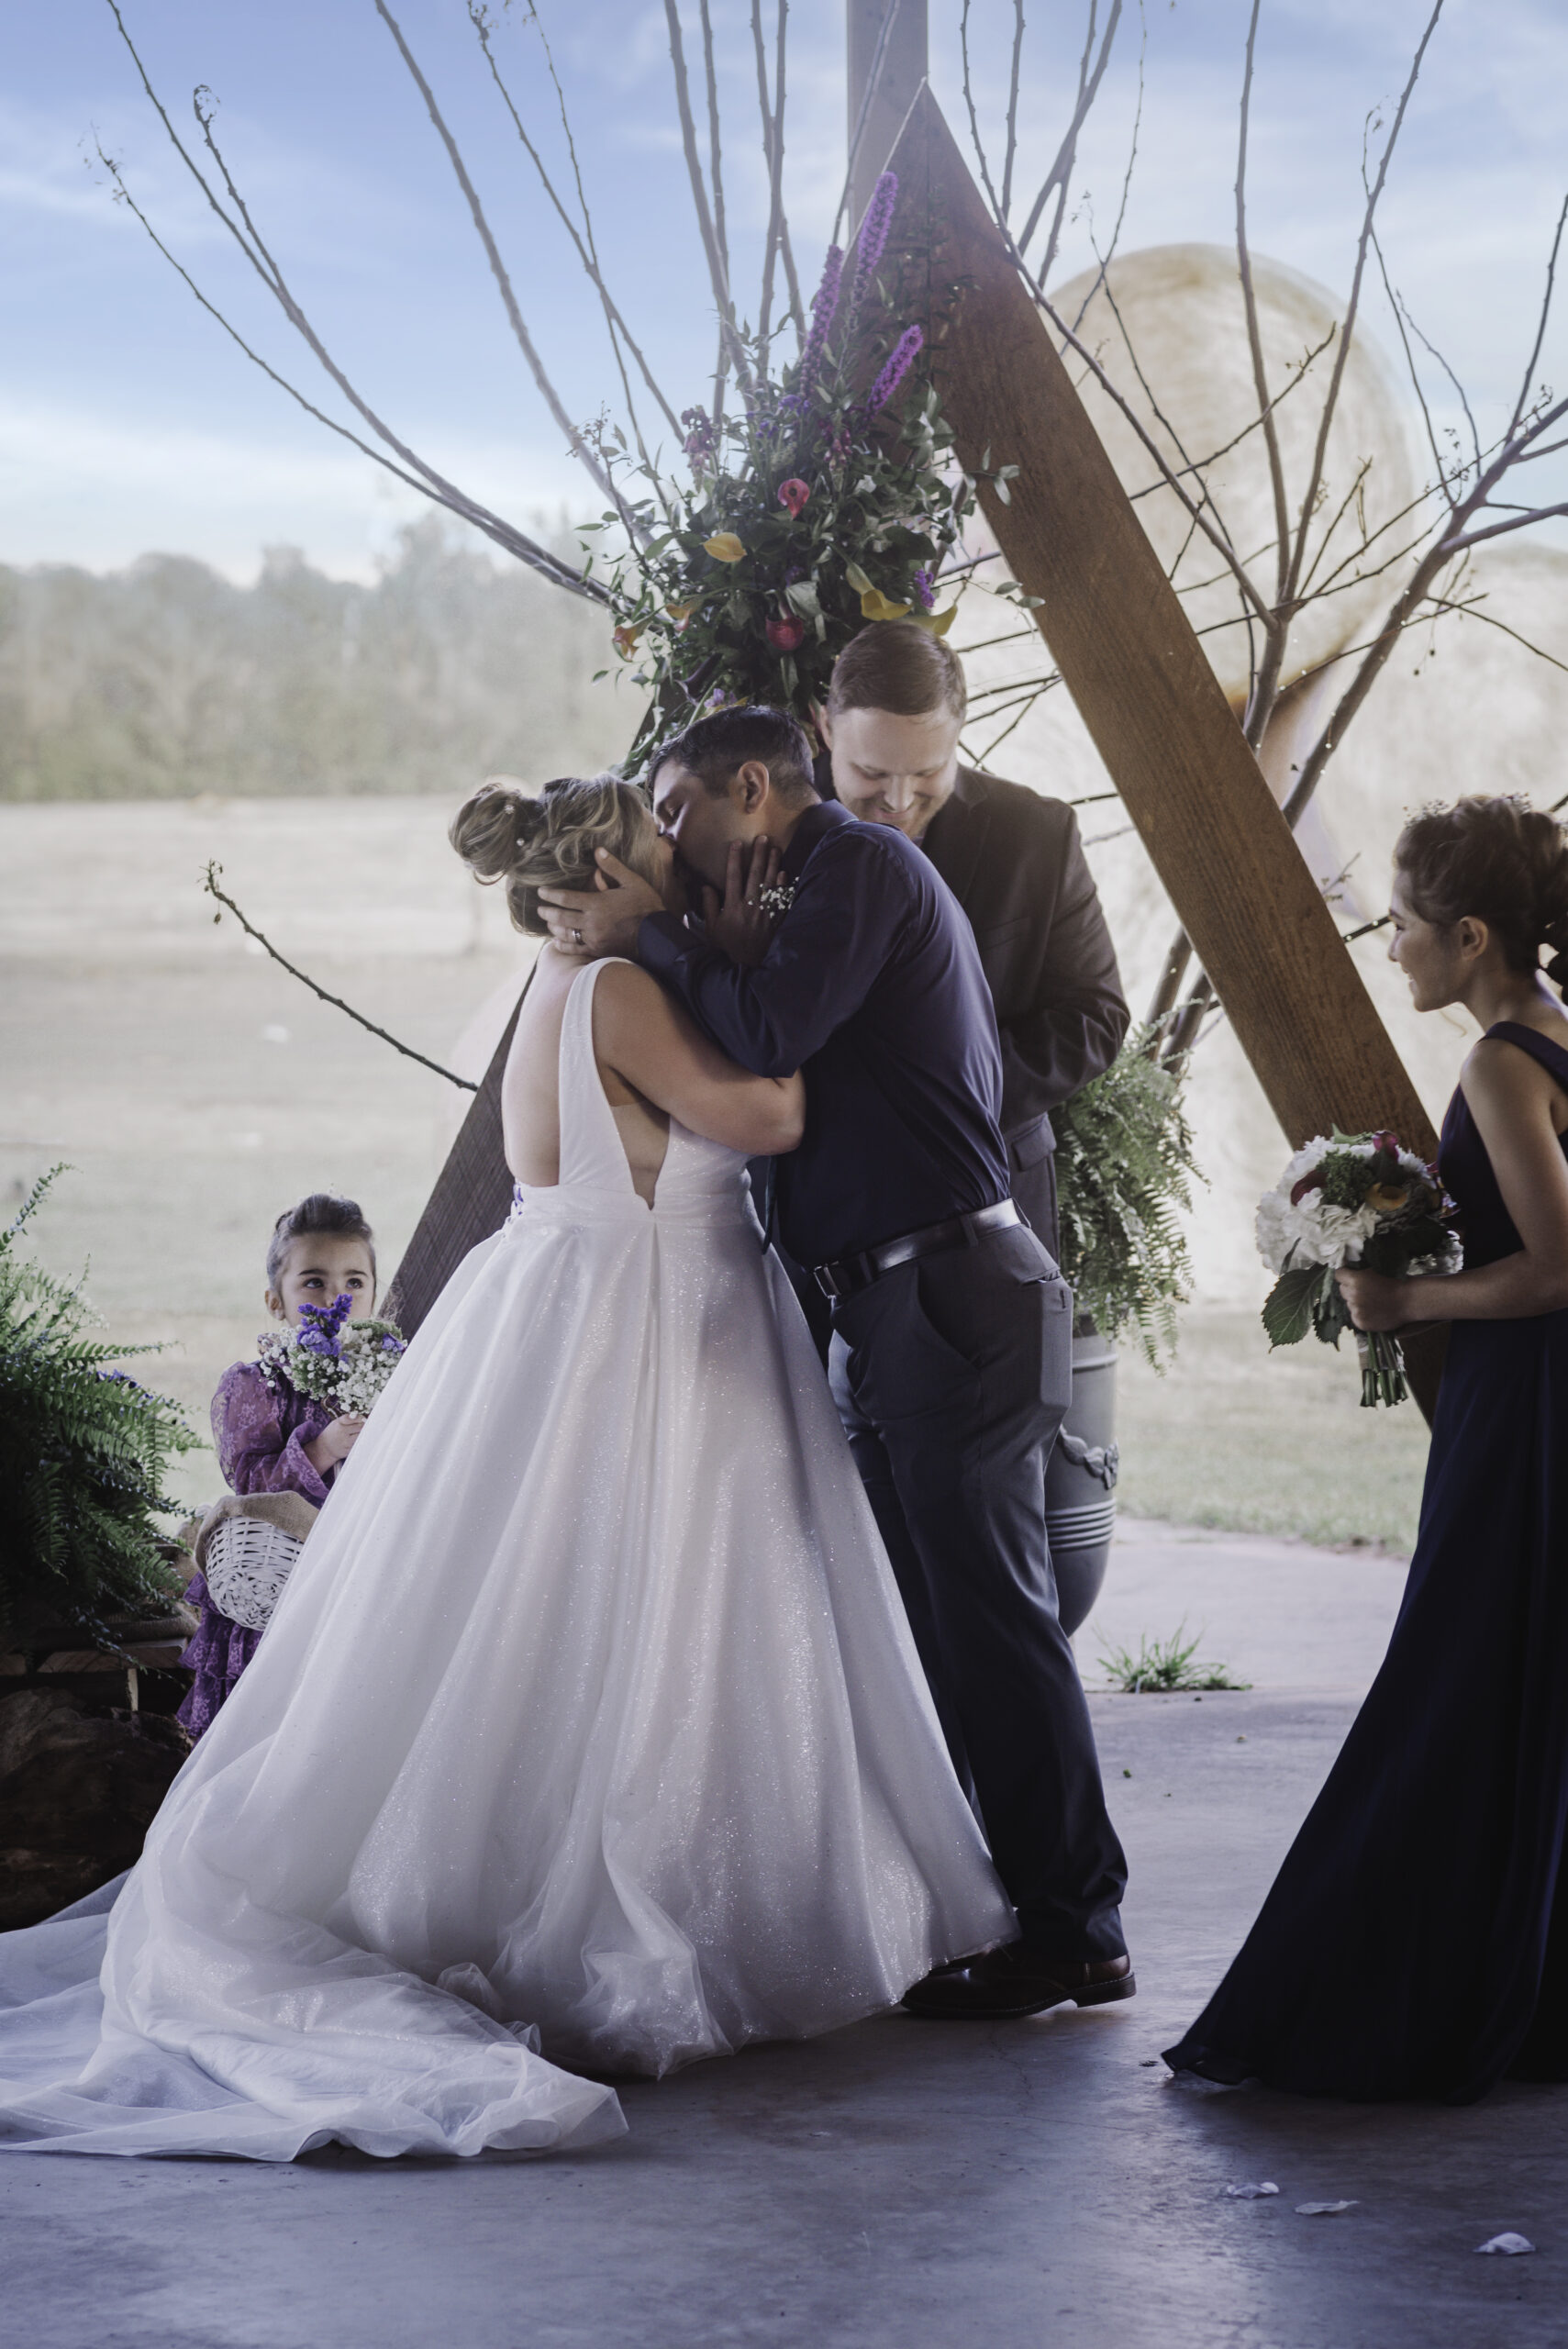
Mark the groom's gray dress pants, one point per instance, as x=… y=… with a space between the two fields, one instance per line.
x=952 y=1375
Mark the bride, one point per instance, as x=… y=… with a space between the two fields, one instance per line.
x=588 y=1737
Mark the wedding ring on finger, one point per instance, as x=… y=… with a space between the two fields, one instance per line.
x=576 y=937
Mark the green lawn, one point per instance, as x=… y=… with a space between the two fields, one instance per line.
x=1235 y=1437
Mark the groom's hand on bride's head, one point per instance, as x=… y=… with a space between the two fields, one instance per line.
x=603 y=920
x=736 y=923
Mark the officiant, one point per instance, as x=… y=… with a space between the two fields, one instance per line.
x=1015 y=862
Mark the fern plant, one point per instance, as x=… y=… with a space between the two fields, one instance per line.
x=1124 y=1176
x=84 y=1449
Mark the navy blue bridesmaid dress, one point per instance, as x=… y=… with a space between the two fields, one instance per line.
x=1415 y=1943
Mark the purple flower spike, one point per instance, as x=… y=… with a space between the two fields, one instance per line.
x=897 y=367
x=924 y=593
x=872 y=242
x=824 y=305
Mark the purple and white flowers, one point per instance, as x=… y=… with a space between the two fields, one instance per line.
x=337 y=1361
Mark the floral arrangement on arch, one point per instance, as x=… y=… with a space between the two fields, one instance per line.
x=819 y=505
x=335 y=1360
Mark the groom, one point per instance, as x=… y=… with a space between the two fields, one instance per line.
x=957 y=1326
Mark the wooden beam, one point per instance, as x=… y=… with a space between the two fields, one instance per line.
x=1138 y=675
x=1129 y=659
x=472 y=1198
x=898 y=79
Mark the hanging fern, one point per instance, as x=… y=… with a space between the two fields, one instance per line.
x=1123 y=1177
x=84 y=1450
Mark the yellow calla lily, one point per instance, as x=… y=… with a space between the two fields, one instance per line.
x=874 y=606
x=857 y=579
x=681 y=613
x=725 y=547
x=937 y=622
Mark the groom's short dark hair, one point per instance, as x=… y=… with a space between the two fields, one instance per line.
x=716 y=748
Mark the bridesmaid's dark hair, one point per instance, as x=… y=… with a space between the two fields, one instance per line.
x=323 y=1212
x=1500 y=860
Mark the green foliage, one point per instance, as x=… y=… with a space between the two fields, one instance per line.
x=165 y=680
x=82 y=1452
x=1163 y=1667
x=1123 y=1176
x=827 y=499
x=1291 y=1307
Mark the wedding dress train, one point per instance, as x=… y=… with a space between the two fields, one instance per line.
x=588 y=1730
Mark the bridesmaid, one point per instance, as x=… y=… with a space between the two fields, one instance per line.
x=1414 y=1944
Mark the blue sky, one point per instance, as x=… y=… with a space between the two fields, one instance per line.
x=128 y=422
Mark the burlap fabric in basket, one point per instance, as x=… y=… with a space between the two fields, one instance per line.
x=245 y=1548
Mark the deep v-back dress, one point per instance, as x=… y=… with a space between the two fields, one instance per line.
x=589 y=1717
x=1415 y=1943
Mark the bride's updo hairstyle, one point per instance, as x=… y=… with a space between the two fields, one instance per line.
x=1500 y=860
x=551 y=841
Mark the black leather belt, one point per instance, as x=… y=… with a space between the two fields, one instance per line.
x=851 y=1273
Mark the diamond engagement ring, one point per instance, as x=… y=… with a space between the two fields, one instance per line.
x=777 y=898
x=577 y=937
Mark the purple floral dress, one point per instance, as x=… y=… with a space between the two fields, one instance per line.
x=260 y=1427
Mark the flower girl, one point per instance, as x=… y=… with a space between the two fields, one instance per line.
x=273 y=1433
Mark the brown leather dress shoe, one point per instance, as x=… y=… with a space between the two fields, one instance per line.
x=1006 y=1983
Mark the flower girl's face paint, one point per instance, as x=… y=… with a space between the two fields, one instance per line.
x=320 y=1266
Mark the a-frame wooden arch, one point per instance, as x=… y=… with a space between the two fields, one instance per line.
x=1128 y=654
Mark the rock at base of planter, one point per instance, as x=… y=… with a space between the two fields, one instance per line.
x=78 y=1791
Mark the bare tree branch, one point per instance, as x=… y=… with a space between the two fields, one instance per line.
x=718 y=273
x=1265 y=685
x=1061 y=172
x=579 y=446
x=1331 y=404
x=412 y=470
x=1012 y=110
x=210 y=884
x=584 y=240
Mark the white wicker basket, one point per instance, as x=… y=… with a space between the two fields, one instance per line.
x=247 y=1563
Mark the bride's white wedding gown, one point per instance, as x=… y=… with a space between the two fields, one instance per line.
x=589 y=1719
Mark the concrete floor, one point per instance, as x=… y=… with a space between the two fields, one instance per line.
x=909 y=2186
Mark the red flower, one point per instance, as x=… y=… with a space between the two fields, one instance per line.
x=1311 y=1181
x=786 y=635
x=794 y=494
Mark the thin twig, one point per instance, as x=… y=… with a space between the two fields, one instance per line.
x=1260 y=700
x=719 y=274
x=551 y=398
x=588 y=247
x=511 y=541
x=1012 y=110
x=210 y=884
x=1061 y=172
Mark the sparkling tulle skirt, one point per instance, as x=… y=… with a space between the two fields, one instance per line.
x=588 y=1736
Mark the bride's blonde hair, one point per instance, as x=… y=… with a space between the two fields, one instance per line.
x=531 y=844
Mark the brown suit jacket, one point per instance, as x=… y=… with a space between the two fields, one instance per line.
x=1017 y=866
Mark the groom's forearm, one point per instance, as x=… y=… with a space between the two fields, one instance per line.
x=718 y=994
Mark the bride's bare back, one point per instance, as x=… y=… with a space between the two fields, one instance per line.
x=654 y=1065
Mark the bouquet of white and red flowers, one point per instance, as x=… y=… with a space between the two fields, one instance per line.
x=338 y=1361
x=1354 y=1200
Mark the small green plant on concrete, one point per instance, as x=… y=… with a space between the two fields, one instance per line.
x=84 y=1450
x=1162 y=1668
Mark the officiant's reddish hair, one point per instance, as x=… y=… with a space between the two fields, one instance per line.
x=898 y=666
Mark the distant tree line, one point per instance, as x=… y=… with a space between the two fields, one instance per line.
x=165 y=680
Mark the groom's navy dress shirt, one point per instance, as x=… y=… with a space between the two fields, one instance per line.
x=872 y=986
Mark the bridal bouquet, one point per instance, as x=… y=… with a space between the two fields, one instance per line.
x=1355 y=1199
x=338 y=1362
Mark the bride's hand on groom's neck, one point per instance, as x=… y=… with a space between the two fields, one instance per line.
x=736 y=923
x=603 y=920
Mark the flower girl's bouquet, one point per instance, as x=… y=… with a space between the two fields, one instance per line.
x=1356 y=1199
x=338 y=1362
